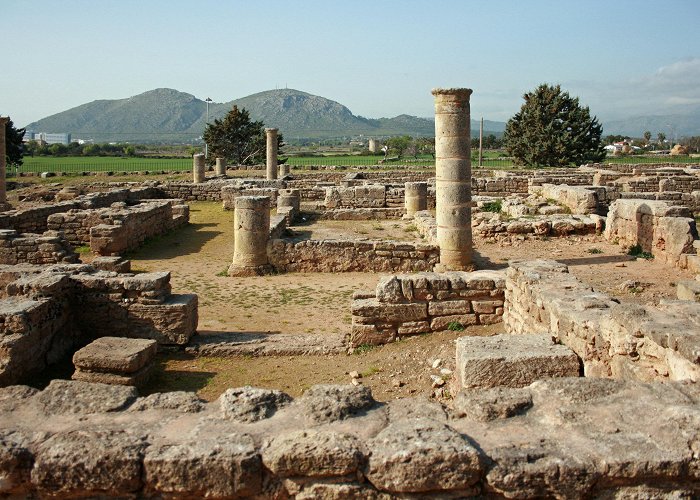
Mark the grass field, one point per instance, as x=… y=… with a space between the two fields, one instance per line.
x=78 y=164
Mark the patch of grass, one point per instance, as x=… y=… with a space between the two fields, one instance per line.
x=371 y=371
x=492 y=206
x=636 y=251
x=378 y=227
x=594 y=250
x=410 y=228
x=363 y=349
x=455 y=326
x=223 y=272
x=83 y=249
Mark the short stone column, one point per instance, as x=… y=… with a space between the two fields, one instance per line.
x=251 y=221
x=271 y=154
x=415 y=197
x=453 y=179
x=284 y=170
x=3 y=164
x=372 y=146
x=198 y=175
x=220 y=168
x=288 y=203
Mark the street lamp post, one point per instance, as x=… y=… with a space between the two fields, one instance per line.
x=206 y=146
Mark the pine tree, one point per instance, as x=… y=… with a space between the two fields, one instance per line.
x=14 y=148
x=553 y=130
x=236 y=138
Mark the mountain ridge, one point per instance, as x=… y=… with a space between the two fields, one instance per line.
x=168 y=114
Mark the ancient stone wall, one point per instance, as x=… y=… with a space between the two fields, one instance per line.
x=557 y=438
x=411 y=304
x=665 y=231
x=232 y=191
x=350 y=256
x=49 y=311
x=362 y=214
x=365 y=196
x=613 y=340
x=578 y=199
x=117 y=229
x=50 y=247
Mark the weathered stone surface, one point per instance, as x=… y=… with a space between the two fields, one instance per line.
x=181 y=401
x=172 y=322
x=63 y=396
x=422 y=455
x=16 y=461
x=688 y=290
x=89 y=463
x=328 y=403
x=512 y=360
x=492 y=404
x=115 y=354
x=313 y=453
x=226 y=467
x=250 y=404
x=136 y=379
x=13 y=396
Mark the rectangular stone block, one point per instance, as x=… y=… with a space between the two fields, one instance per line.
x=172 y=322
x=512 y=360
x=448 y=307
x=486 y=306
x=389 y=312
x=116 y=354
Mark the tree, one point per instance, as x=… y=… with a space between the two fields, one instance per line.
x=399 y=145
x=647 y=137
x=237 y=139
x=660 y=137
x=14 y=148
x=553 y=130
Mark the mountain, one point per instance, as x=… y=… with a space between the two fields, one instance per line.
x=685 y=124
x=168 y=115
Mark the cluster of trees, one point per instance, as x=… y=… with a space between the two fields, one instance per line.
x=34 y=148
x=406 y=146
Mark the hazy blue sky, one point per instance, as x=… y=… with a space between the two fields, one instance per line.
x=379 y=58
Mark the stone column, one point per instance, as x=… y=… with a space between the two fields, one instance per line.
x=271 y=134
x=372 y=146
x=198 y=175
x=284 y=170
x=3 y=164
x=251 y=220
x=220 y=168
x=453 y=179
x=415 y=197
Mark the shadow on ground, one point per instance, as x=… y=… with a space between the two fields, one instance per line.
x=182 y=241
x=164 y=380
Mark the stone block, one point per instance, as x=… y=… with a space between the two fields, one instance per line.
x=172 y=322
x=512 y=360
x=688 y=290
x=114 y=354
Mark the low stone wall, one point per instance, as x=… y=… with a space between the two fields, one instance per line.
x=48 y=248
x=328 y=256
x=665 y=231
x=363 y=213
x=411 y=304
x=613 y=340
x=557 y=438
x=579 y=199
x=47 y=312
x=366 y=196
x=500 y=186
x=115 y=230
x=230 y=192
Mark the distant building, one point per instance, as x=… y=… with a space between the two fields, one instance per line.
x=62 y=138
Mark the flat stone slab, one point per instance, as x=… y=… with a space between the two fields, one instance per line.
x=512 y=360
x=116 y=355
x=688 y=290
x=264 y=344
x=136 y=379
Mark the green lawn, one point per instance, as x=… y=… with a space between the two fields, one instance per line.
x=77 y=164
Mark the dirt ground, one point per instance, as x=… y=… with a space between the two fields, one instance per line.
x=313 y=303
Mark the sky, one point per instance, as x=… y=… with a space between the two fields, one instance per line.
x=380 y=58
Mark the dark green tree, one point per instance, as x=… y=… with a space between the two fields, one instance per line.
x=553 y=130
x=14 y=148
x=399 y=145
x=237 y=138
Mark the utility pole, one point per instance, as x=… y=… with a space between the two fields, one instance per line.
x=206 y=146
x=481 y=141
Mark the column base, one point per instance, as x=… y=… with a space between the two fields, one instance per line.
x=443 y=268
x=245 y=271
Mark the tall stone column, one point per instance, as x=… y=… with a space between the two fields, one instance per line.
x=271 y=135
x=251 y=221
x=415 y=197
x=453 y=179
x=220 y=168
x=198 y=175
x=3 y=164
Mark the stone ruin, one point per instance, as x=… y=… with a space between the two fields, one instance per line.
x=582 y=396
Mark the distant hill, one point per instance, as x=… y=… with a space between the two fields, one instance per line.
x=686 y=124
x=171 y=116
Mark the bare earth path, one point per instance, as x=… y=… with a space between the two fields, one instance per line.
x=311 y=312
